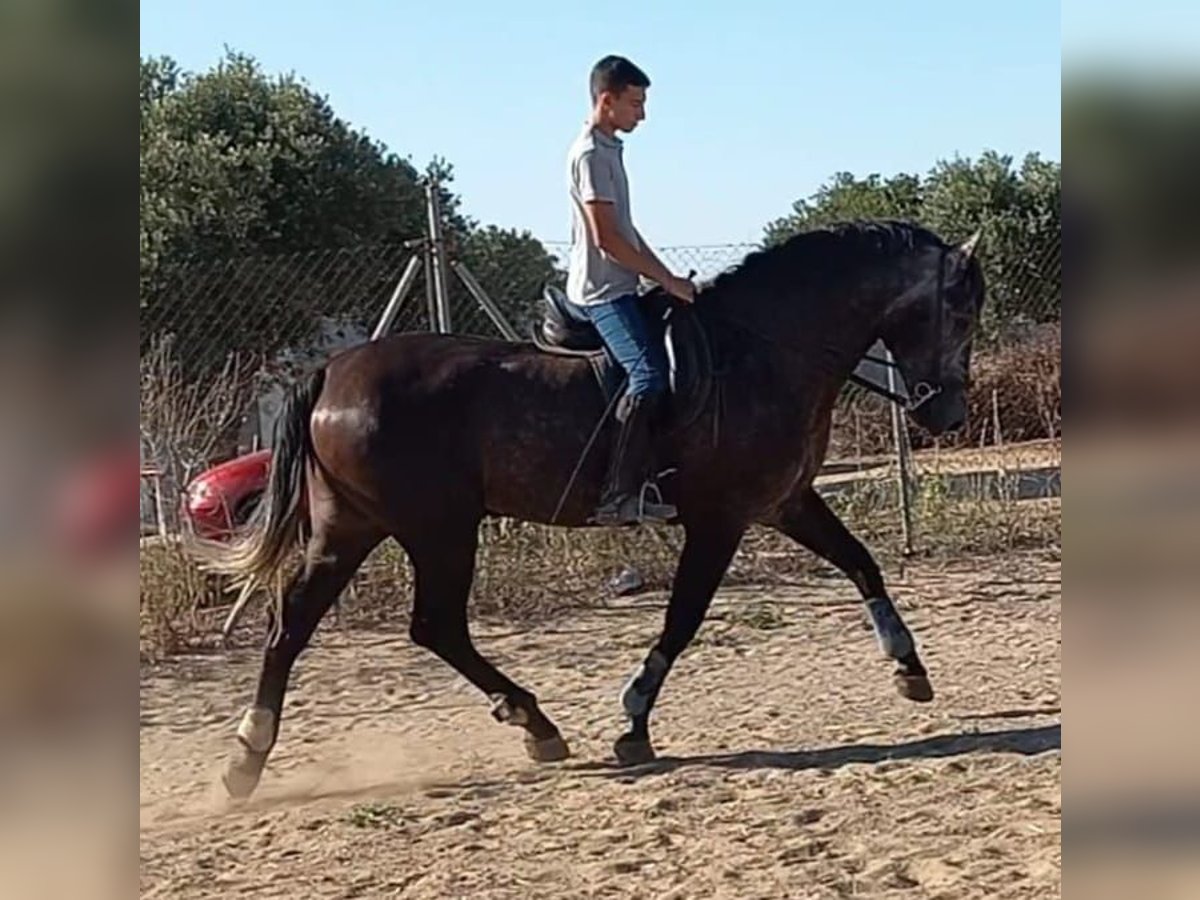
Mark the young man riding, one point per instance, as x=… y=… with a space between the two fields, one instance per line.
x=607 y=256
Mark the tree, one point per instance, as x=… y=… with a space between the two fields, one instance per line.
x=513 y=267
x=233 y=161
x=847 y=198
x=234 y=165
x=1018 y=210
x=263 y=214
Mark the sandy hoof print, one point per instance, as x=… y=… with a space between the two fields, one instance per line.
x=241 y=776
x=914 y=687
x=547 y=750
x=633 y=751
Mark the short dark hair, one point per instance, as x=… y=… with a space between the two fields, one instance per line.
x=614 y=74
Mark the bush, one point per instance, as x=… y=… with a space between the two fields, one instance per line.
x=178 y=603
x=1015 y=395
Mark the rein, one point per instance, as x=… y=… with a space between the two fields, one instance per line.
x=923 y=391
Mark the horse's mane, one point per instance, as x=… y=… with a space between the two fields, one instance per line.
x=824 y=253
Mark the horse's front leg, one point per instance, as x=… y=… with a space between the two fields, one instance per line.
x=707 y=551
x=807 y=520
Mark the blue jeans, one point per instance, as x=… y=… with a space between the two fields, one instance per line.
x=622 y=326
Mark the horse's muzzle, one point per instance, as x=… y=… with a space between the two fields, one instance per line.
x=943 y=413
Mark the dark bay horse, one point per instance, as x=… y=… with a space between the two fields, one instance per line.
x=418 y=437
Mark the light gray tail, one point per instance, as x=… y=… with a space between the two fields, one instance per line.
x=279 y=524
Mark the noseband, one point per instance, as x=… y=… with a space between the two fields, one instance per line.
x=923 y=391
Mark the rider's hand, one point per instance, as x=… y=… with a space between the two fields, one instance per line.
x=681 y=289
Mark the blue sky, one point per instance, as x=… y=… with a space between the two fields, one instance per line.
x=753 y=104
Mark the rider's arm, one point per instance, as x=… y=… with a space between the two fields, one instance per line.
x=602 y=223
x=646 y=248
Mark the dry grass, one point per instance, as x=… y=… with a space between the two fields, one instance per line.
x=1015 y=396
x=178 y=604
x=530 y=573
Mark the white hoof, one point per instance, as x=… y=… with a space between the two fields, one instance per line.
x=242 y=775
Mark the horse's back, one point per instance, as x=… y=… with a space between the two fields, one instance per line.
x=428 y=420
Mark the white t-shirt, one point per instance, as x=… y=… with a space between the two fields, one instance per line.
x=596 y=171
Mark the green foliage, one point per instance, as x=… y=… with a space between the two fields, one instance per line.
x=375 y=815
x=512 y=267
x=234 y=162
x=1017 y=208
x=240 y=169
x=846 y=198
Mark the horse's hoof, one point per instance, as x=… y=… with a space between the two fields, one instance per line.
x=241 y=775
x=547 y=750
x=632 y=751
x=914 y=687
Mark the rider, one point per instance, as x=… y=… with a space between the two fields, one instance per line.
x=607 y=256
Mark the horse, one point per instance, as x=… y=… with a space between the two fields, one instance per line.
x=418 y=437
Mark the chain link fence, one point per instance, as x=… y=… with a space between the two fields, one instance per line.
x=1024 y=292
x=1024 y=288
x=233 y=333
x=706 y=260
x=281 y=309
x=279 y=315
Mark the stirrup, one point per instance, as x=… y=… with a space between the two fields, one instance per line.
x=643 y=509
x=659 y=510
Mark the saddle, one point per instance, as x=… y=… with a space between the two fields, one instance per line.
x=566 y=331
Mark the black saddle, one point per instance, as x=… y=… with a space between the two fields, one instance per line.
x=566 y=331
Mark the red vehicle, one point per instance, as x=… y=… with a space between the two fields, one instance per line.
x=223 y=497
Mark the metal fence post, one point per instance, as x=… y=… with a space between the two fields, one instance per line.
x=481 y=297
x=903 y=461
x=441 y=282
x=431 y=302
x=398 y=295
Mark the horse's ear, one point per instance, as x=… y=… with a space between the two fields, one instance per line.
x=961 y=256
x=967 y=248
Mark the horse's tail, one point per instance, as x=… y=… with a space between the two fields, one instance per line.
x=280 y=523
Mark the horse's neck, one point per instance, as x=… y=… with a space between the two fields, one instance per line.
x=818 y=343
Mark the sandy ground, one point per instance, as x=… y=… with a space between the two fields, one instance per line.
x=789 y=767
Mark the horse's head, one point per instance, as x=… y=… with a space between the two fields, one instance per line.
x=929 y=329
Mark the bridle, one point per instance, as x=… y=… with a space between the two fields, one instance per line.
x=923 y=391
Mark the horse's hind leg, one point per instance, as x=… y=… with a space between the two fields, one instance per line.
x=329 y=564
x=811 y=523
x=444 y=564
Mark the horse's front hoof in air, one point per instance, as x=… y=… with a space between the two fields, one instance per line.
x=633 y=751
x=914 y=687
x=547 y=750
